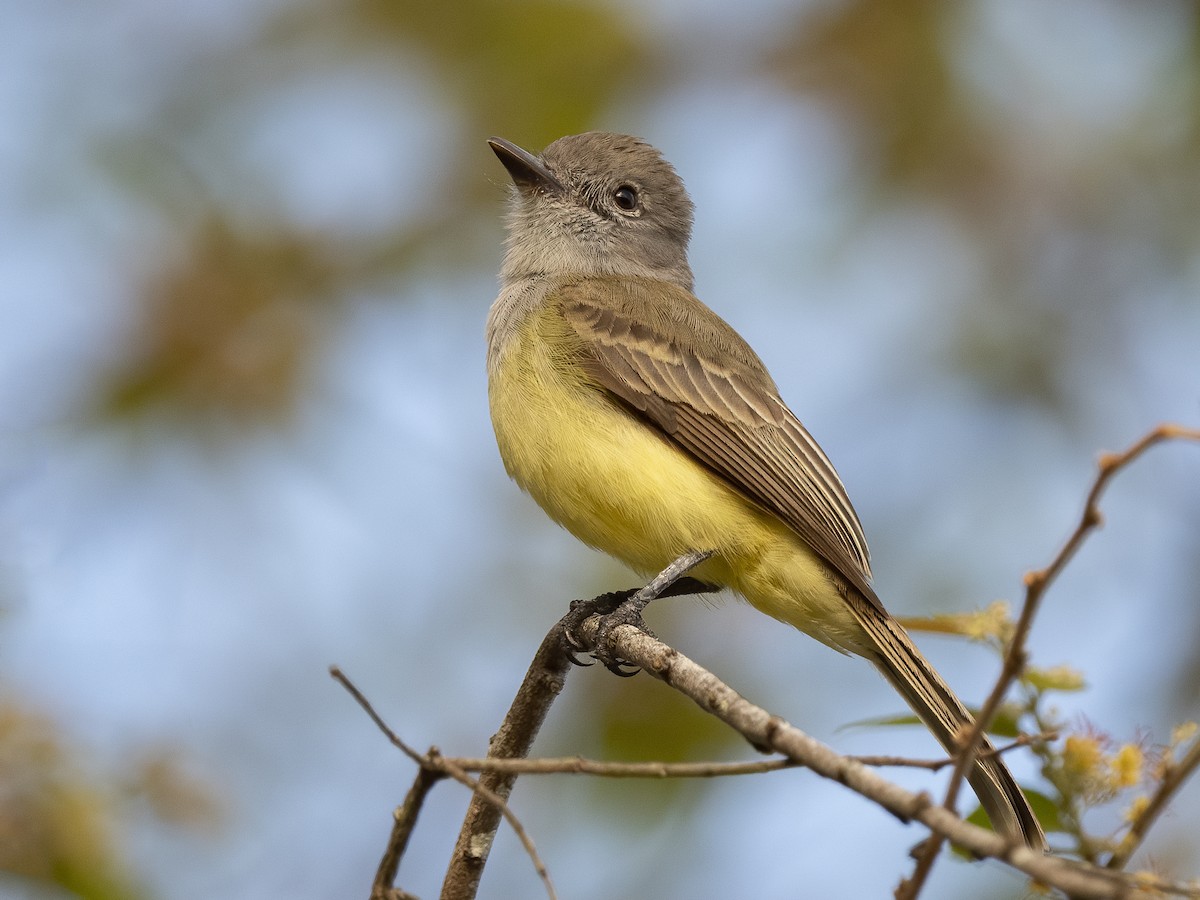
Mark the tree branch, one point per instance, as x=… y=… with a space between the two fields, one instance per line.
x=404 y=822
x=438 y=766
x=579 y=765
x=545 y=678
x=764 y=730
x=543 y=683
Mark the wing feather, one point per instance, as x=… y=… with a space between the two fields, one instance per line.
x=687 y=372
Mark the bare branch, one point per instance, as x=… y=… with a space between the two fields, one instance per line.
x=542 y=684
x=578 y=765
x=439 y=767
x=497 y=802
x=762 y=729
x=925 y=854
x=404 y=821
x=341 y=678
x=936 y=765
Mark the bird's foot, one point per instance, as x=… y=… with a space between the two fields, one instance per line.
x=605 y=606
x=625 y=608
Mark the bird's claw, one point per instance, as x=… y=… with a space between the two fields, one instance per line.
x=581 y=610
x=625 y=608
x=624 y=614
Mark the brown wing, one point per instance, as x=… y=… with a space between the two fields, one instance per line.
x=679 y=365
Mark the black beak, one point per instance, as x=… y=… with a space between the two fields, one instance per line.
x=527 y=171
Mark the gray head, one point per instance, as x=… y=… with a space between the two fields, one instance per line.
x=596 y=204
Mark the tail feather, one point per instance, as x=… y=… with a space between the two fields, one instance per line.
x=944 y=714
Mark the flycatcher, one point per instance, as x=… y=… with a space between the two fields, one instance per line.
x=644 y=424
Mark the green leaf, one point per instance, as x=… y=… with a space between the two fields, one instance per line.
x=1057 y=678
x=882 y=722
x=1004 y=724
x=1043 y=807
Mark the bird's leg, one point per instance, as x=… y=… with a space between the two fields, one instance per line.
x=625 y=607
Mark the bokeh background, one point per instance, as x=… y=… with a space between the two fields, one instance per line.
x=247 y=250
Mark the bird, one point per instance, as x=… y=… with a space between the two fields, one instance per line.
x=643 y=423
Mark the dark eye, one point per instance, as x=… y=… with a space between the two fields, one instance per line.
x=626 y=197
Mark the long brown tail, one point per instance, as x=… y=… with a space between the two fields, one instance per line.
x=943 y=714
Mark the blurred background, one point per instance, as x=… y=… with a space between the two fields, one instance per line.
x=248 y=249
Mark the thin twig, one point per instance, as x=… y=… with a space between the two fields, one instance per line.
x=1038 y=582
x=925 y=854
x=936 y=765
x=341 y=678
x=500 y=803
x=1174 y=778
x=1036 y=585
x=439 y=765
x=578 y=765
x=404 y=821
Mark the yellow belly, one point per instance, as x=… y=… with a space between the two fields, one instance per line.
x=620 y=486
